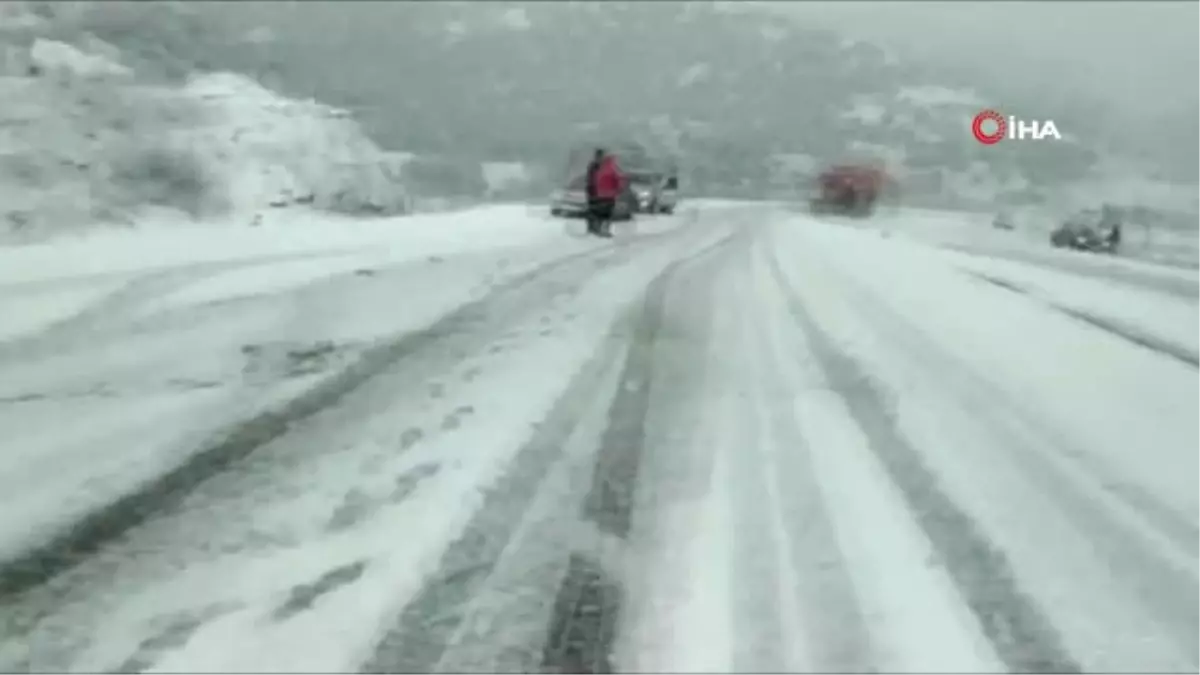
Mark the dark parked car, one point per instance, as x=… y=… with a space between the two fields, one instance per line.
x=1088 y=231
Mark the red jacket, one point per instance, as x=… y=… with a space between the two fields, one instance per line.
x=609 y=179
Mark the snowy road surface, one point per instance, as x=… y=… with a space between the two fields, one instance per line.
x=736 y=439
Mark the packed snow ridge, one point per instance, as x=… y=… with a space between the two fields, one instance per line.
x=83 y=140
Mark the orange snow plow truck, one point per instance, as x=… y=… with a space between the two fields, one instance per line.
x=849 y=190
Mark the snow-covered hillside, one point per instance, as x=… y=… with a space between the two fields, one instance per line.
x=723 y=88
x=110 y=114
x=84 y=138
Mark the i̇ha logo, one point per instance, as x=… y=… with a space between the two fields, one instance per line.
x=990 y=127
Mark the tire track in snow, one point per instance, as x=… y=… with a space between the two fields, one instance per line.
x=424 y=628
x=838 y=640
x=1126 y=333
x=1142 y=540
x=1183 y=530
x=758 y=569
x=1160 y=283
x=1020 y=633
x=1134 y=337
x=583 y=626
x=1001 y=283
x=678 y=470
x=69 y=548
x=83 y=326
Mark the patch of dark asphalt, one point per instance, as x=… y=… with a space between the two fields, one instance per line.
x=70 y=547
x=275 y=361
x=192 y=383
x=410 y=437
x=1020 y=633
x=96 y=391
x=302 y=597
x=427 y=623
x=359 y=504
x=610 y=499
x=585 y=610
x=175 y=634
x=455 y=418
x=1006 y=285
x=407 y=482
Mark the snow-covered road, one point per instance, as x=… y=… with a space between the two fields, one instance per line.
x=732 y=440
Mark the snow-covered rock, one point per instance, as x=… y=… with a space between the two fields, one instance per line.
x=265 y=150
x=56 y=57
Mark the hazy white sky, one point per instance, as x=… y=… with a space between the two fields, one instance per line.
x=1133 y=53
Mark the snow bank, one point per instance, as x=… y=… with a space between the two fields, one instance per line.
x=111 y=251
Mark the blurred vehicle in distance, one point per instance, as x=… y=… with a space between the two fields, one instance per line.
x=656 y=191
x=1091 y=230
x=851 y=190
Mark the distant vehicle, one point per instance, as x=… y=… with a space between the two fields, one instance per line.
x=571 y=201
x=848 y=190
x=668 y=194
x=1003 y=221
x=656 y=191
x=1090 y=230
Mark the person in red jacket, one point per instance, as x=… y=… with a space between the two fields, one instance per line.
x=605 y=183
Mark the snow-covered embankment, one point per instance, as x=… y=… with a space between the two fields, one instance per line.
x=84 y=140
